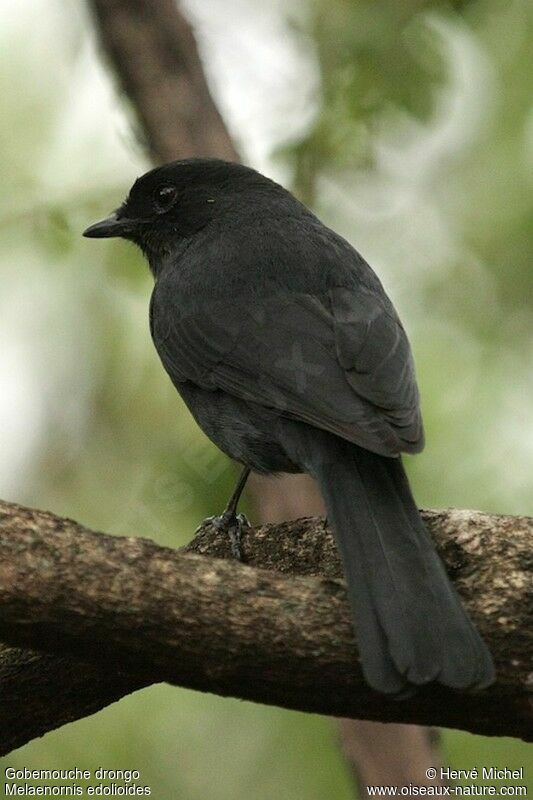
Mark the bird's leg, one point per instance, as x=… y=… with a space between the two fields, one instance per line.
x=229 y=521
x=232 y=523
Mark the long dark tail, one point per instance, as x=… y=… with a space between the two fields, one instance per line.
x=410 y=623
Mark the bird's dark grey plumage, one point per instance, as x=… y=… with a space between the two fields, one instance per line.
x=289 y=354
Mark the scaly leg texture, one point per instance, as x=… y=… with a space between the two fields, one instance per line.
x=229 y=522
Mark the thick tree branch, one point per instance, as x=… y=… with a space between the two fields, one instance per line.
x=41 y=691
x=276 y=630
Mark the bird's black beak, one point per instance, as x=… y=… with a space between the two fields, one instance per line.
x=113 y=225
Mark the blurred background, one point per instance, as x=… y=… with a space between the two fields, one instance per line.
x=408 y=126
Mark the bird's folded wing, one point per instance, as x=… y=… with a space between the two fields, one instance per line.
x=339 y=361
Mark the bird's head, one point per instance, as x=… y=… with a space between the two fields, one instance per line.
x=177 y=200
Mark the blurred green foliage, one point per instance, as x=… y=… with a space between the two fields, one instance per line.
x=421 y=153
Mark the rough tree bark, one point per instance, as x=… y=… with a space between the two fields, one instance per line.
x=276 y=629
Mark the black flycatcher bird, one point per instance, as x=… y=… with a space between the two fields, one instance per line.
x=290 y=356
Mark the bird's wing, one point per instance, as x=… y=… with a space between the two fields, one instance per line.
x=339 y=361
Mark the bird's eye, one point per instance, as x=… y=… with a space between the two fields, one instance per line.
x=165 y=197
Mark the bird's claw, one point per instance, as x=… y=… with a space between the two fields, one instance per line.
x=205 y=523
x=233 y=525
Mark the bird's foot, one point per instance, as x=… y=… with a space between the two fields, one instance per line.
x=231 y=524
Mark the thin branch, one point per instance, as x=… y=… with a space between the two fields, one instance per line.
x=410 y=751
x=276 y=630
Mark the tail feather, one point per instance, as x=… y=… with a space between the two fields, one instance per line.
x=466 y=660
x=412 y=628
